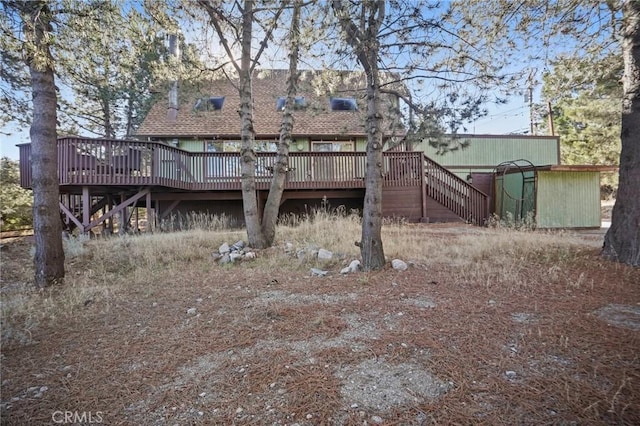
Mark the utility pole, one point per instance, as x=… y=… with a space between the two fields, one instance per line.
x=531 y=108
x=550 y=112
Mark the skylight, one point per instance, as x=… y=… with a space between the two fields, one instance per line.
x=209 y=104
x=216 y=102
x=344 y=104
x=299 y=103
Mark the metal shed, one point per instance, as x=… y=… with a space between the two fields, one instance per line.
x=554 y=196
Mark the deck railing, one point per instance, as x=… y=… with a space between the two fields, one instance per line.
x=455 y=193
x=109 y=162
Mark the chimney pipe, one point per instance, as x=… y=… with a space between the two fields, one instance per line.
x=174 y=51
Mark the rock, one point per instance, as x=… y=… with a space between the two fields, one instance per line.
x=234 y=255
x=376 y=419
x=399 y=265
x=224 y=249
x=510 y=374
x=215 y=256
x=324 y=255
x=354 y=266
x=192 y=311
x=250 y=255
x=225 y=259
x=318 y=272
x=238 y=245
x=288 y=248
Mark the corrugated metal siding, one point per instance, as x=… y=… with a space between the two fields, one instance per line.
x=488 y=151
x=568 y=199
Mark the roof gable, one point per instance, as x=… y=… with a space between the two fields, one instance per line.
x=315 y=119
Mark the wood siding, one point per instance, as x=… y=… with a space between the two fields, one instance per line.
x=402 y=202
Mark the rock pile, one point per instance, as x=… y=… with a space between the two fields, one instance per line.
x=239 y=251
x=236 y=252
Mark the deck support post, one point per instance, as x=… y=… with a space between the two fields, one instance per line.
x=151 y=216
x=168 y=210
x=108 y=224
x=123 y=217
x=86 y=209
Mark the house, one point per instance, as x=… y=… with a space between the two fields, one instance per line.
x=329 y=114
x=186 y=158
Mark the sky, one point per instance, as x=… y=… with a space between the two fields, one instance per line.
x=8 y=143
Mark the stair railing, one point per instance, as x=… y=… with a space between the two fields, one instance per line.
x=455 y=193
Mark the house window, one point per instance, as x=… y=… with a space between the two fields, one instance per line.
x=213 y=103
x=343 y=104
x=332 y=146
x=229 y=165
x=266 y=146
x=222 y=166
x=235 y=146
x=298 y=104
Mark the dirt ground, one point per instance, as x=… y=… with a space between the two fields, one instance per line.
x=250 y=346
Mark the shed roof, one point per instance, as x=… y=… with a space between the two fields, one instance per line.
x=316 y=119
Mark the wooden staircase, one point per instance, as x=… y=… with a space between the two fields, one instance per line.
x=454 y=193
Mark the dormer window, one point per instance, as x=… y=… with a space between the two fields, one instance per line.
x=213 y=103
x=298 y=104
x=343 y=104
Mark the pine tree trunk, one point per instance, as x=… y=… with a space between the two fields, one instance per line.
x=272 y=206
x=371 y=248
x=622 y=241
x=49 y=255
x=364 y=41
x=247 y=135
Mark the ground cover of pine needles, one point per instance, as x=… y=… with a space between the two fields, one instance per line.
x=487 y=326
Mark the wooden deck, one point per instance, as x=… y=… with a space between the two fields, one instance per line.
x=103 y=162
x=115 y=177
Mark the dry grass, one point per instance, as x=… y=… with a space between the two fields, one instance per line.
x=488 y=326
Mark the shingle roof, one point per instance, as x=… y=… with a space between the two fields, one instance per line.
x=316 y=119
